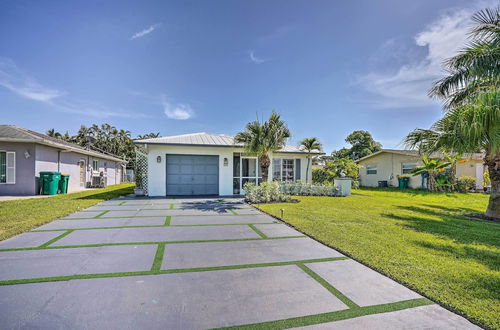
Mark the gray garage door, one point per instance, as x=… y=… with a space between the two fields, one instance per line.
x=192 y=175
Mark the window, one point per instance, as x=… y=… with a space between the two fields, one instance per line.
x=371 y=169
x=7 y=167
x=283 y=169
x=95 y=165
x=407 y=167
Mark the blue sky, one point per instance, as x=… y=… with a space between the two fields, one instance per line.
x=175 y=67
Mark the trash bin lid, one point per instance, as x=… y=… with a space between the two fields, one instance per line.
x=50 y=173
x=64 y=174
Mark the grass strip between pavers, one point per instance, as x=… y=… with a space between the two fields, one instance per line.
x=155 y=270
x=172 y=206
x=335 y=316
x=168 y=219
x=232 y=211
x=101 y=214
x=138 y=243
x=328 y=286
x=159 y=216
x=121 y=203
x=164 y=225
x=55 y=239
x=255 y=229
x=158 y=258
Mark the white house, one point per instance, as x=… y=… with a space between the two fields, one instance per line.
x=210 y=164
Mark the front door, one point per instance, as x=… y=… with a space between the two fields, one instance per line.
x=82 y=172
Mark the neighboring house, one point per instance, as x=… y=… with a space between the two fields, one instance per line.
x=210 y=164
x=25 y=153
x=388 y=164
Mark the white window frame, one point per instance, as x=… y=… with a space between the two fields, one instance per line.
x=9 y=179
x=372 y=167
x=407 y=169
x=95 y=169
x=281 y=168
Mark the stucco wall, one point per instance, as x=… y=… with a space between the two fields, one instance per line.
x=25 y=169
x=157 y=171
x=389 y=166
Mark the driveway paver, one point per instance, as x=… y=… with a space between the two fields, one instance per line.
x=194 y=263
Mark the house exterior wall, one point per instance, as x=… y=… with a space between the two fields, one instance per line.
x=389 y=166
x=44 y=158
x=468 y=167
x=25 y=168
x=157 y=171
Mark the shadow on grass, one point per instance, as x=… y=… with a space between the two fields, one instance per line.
x=412 y=192
x=107 y=194
x=488 y=258
x=449 y=223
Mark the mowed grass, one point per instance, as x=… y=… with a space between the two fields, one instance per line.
x=417 y=238
x=18 y=216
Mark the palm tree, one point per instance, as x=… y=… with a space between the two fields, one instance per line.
x=53 y=133
x=472 y=100
x=470 y=128
x=262 y=139
x=309 y=145
x=476 y=68
x=431 y=167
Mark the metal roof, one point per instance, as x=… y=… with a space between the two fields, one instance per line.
x=13 y=133
x=209 y=140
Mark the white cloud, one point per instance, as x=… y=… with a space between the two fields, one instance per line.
x=179 y=111
x=12 y=78
x=409 y=84
x=144 y=32
x=18 y=82
x=255 y=59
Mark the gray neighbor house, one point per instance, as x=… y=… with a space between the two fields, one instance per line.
x=25 y=153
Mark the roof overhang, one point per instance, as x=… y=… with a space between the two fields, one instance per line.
x=64 y=148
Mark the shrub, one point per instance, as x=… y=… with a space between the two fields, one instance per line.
x=466 y=183
x=307 y=189
x=266 y=192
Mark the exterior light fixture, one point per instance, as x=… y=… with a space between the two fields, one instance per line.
x=226 y=162
x=27 y=154
x=158 y=159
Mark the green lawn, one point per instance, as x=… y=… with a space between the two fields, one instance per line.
x=419 y=239
x=22 y=215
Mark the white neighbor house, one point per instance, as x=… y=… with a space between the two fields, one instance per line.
x=211 y=164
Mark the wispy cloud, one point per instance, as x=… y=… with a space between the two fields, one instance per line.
x=24 y=85
x=178 y=111
x=12 y=78
x=408 y=85
x=256 y=59
x=144 y=32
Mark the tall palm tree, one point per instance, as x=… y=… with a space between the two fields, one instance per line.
x=471 y=93
x=262 y=139
x=310 y=145
x=469 y=128
x=475 y=69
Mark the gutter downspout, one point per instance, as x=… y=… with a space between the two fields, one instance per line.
x=59 y=160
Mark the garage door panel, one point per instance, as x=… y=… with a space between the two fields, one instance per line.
x=192 y=175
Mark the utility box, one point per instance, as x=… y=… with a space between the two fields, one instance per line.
x=344 y=186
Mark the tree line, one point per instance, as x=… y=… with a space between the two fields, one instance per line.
x=106 y=139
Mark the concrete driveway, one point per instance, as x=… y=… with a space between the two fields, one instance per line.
x=192 y=263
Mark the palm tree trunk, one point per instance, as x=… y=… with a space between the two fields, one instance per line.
x=307 y=169
x=264 y=167
x=493 y=209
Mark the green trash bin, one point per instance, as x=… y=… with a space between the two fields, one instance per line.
x=63 y=184
x=49 y=182
x=403 y=182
